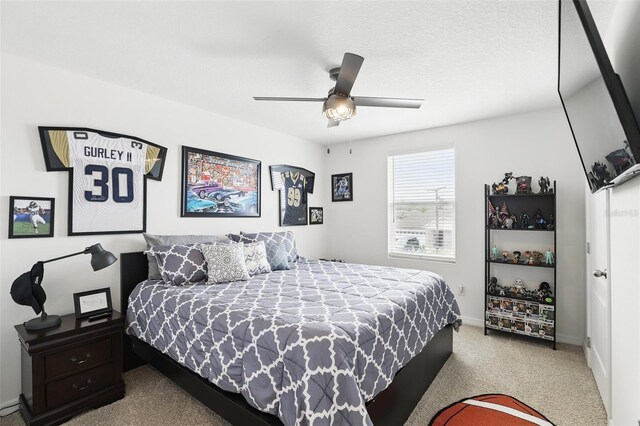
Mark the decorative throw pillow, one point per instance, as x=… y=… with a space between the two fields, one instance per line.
x=180 y=264
x=271 y=242
x=278 y=258
x=225 y=263
x=255 y=256
x=167 y=240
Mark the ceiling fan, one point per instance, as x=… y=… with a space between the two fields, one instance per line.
x=339 y=105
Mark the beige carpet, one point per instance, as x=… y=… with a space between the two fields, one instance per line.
x=557 y=383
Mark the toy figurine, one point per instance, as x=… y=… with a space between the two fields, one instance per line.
x=600 y=174
x=501 y=187
x=505 y=256
x=493 y=284
x=548 y=257
x=504 y=215
x=524 y=220
x=537 y=257
x=620 y=159
x=527 y=257
x=551 y=223
x=493 y=215
x=544 y=185
x=494 y=253
x=508 y=223
x=544 y=292
x=523 y=185
x=519 y=287
x=514 y=221
x=516 y=256
x=538 y=220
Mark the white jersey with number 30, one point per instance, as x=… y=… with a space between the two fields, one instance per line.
x=108 y=181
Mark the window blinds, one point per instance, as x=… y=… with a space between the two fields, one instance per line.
x=422 y=204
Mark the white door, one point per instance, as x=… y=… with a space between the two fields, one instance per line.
x=599 y=293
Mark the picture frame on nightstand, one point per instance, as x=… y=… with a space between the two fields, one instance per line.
x=93 y=304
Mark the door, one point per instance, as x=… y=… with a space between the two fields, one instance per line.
x=599 y=293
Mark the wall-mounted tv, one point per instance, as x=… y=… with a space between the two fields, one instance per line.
x=602 y=121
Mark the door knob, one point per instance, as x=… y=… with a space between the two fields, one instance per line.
x=598 y=273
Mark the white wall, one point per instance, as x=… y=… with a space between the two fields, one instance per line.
x=621 y=42
x=35 y=94
x=532 y=144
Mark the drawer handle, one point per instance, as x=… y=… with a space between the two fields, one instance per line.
x=79 y=388
x=78 y=362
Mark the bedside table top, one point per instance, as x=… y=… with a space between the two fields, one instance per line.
x=69 y=327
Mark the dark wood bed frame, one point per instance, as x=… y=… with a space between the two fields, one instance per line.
x=392 y=406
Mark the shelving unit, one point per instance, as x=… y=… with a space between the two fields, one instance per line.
x=510 y=312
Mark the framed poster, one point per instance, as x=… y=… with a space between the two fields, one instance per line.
x=219 y=185
x=31 y=217
x=92 y=303
x=342 y=187
x=316 y=215
x=107 y=177
x=294 y=183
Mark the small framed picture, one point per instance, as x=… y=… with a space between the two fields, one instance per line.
x=31 y=217
x=316 y=215
x=93 y=303
x=342 y=187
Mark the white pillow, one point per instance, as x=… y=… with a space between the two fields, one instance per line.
x=255 y=256
x=225 y=263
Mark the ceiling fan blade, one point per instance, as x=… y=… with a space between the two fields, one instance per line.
x=271 y=98
x=387 y=102
x=349 y=70
x=333 y=123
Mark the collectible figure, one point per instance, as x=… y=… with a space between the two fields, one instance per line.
x=501 y=187
x=620 y=159
x=519 y=287
x=544 y=184
x=493 y=284
x=548 y=257
x=494 y=253
x=505 y=256
x=551 y=223
x=524 y=220
x=493 y=216
x=523 y=185
x=544 y=292
x=538 y=220
x=600 y=174
x=516 y=256
x=537 y=257
x=514 y=221
x=509 y=223
x=528 y=260
x=504 y=215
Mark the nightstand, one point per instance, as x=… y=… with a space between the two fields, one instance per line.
x=70 y=368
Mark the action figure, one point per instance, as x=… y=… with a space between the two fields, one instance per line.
x=524 y=220
x=544 y=184
x=523 y=184
x=502 y=186
x=551 y=223
x=493 y=215
x=493 y=283
x=548 y=257
x=538 y=220
x=504 y=215
x=494 y=253
x=516 y=256
x=505 y=256
x=600 y=174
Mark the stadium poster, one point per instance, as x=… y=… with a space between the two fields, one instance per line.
x=31 y=217
x=107 y=177
x=219 y=185
x=294 y=183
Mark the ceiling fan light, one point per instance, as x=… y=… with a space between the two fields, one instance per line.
x=339 y=108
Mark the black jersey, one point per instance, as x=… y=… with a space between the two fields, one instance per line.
x=295 y=193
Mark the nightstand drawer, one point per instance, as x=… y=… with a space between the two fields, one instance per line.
x=71 y=388
x=78 y=359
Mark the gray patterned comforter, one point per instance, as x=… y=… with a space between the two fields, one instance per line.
x=311 y=345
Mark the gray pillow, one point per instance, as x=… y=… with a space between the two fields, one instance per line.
x=255 y=256
x=180 y=264
x=167 y=240
x=271 y=242
x=278 y=258
x=225 y=263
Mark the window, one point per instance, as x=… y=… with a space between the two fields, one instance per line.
x=422 y=205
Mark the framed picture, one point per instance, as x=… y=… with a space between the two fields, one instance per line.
x=107 y=177
x=294 y=184
x=219 y=185
x=342 y=187
x=31 y=217
x=316 y=215
x=93 y=303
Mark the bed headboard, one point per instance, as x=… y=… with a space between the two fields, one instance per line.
x=134 y=268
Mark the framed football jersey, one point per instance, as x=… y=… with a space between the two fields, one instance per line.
x=294 y=183
x=107 y=177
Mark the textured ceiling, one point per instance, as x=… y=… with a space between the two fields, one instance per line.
x=468 y=59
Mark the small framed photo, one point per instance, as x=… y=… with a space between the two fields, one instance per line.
x=342 y=187
x=31 y=217
x=316 y=215
x=93 y=303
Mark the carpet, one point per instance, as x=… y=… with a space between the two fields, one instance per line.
x=489 y=410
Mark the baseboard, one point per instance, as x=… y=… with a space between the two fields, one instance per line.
x=9 y=407
x=562 y=338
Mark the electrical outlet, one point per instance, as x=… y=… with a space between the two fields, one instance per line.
x=461 y=290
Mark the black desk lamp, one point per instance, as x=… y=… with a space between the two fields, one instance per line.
x=27 y=288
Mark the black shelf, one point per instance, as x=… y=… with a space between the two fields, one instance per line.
x=518 y=204
x=520 y=229
x=542 y=265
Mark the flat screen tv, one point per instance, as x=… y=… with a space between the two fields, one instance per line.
x=602 y=121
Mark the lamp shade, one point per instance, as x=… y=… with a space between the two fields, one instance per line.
x=100 y=258
x=339 y=108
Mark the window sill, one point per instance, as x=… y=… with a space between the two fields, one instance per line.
x=421 y=257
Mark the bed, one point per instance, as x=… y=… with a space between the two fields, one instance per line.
x=323 y=343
